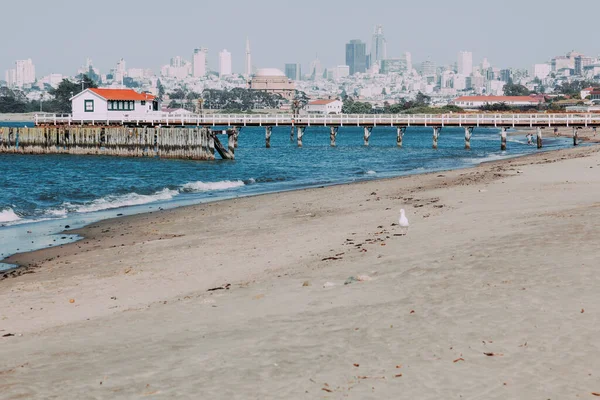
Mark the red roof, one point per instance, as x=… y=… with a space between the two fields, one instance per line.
x=321 y=102
x=498 y=99
x=122 y=94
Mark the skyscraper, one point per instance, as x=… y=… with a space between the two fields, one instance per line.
x=465 y=63
x=293 y=71
x=316 y=69
x=199 y=62
x=23 y=74
x=248 y=59
x=356 y=56
x=224 y=63
x=378 y=46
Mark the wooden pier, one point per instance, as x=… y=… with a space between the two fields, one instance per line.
x=183 y=143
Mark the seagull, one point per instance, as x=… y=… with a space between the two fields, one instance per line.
x=403 y=222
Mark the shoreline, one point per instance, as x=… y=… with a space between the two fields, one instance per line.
x=492 y=293
x=26 y=263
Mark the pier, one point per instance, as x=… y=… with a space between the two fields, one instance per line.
x=175 y=142
x=195 y=137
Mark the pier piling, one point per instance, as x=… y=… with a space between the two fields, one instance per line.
x=400 y=131
x=468 y=134
x=367 y=135
x=539 y=138
x=436 y=134
x=333 y=135
x=503 y=139
x=575 y=135
x=292 y=133
x=300 y=134
x=268 y=131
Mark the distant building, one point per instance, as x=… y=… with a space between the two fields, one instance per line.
x=225 y=63
x=356 y=56
x=324 y=107
x=199 y=61
x=293 y=71
x=378 y=46
x=541 y=71
x=428 y=68
x=316 y=69
x=272 y=80
x=581 y=62
x=22 y=75
x=465 y=63
x=114 y=104
x=248 y=62
x=474 y=102
x=506 y=75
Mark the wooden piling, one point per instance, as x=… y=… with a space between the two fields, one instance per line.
x=436 y=134
x=468 y=134
x=292 y=133
x=333 y=135
x=367 y=134
x=268 y=131
x=503 y=139
x=575 y=135
x=300 y=135
x=539 y=138
x=400 y=131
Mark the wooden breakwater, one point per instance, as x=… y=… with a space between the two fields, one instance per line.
x=182 y=143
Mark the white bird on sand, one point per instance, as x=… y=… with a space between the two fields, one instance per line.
x=404 y=222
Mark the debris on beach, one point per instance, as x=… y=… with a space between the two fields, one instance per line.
x=356 y=365
x=331 y=258
x=364 y=278
x=328 y=284
x=223 y=287
x=398 y=376
x=494 y=354
x=350 y=280
x=306 y=284
x=458 y=359
x=258 y=297
x=8 y=335
x=327 y=390
x=596 y=394
x=71 y=301
x=582 y=310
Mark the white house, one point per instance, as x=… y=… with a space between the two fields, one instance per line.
x=324 y=107
x=113 y=104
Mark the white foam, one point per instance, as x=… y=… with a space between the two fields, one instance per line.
x=8 y=215
x=193 y=187
x=130 y=199
x=370 y=172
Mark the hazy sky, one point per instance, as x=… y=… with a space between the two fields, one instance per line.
x=59 y=34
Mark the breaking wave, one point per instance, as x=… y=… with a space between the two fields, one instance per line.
x=8 y=215
x=194 y=187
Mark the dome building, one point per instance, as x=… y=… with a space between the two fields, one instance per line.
x=273 y=80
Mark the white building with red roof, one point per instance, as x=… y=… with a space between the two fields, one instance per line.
x=113 y=104
x=324 y=107
x=474 y=102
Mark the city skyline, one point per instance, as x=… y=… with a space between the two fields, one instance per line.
x=274 y=44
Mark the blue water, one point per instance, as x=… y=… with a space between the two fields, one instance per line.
x=40 y=195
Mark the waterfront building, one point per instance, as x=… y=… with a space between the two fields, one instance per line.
x=273 y=80
x=199 y=61
x=324 y=107
x=114 y=104
x=378 y=46
x=293 y=71
x=465 y=63
x=356 y=57
x=225 y=63
x=474 y=102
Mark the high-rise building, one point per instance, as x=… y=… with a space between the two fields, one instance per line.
x=465 y=63
x=120 y=71
x=378 y=46
x=23 y=74
x=224 y=63
x=506 y=75
x=199 y=61
x=356 y=56
x=428 y=68
x=541 y=71
x=248 y=59
x=408 y=61
x=581 y=62
x=293 y=71
x=316 y=69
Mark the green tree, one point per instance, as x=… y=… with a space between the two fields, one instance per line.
x=65 y=90
x=515 y=90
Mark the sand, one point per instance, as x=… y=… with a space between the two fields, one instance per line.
x=492 y=294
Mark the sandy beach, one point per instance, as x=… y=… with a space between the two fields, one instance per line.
x=492 y=294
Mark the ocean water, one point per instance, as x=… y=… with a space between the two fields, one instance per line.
x=40 y=195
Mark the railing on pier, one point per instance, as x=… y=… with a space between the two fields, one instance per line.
x=442 y=120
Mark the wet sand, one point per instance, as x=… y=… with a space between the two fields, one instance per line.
x=492 y=294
